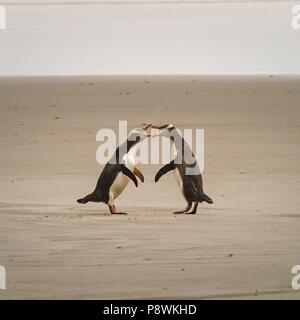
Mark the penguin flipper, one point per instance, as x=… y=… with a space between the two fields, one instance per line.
x=129 y=174
x=165 y=169
x=138 y=173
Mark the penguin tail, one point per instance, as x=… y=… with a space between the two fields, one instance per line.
x=90 y=197
x=206 y=198
x=82 y=200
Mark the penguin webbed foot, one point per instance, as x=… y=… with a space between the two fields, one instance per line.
x=185 y=210
x=194 y=210
x=113 y=210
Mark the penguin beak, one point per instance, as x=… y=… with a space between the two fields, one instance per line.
x=160 y=128
x=147 y=129
x=165 y=126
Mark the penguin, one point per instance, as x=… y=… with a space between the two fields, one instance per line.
x=118 y=171
x=191 y=186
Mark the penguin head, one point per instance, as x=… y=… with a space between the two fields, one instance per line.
x=165 y=130
x=140 y=134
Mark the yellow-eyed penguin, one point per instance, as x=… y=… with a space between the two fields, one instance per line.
x=190 y=185
x=117 y=171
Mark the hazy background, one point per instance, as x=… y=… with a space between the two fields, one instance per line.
x=152 y=38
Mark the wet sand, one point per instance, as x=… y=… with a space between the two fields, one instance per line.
x=242 y=246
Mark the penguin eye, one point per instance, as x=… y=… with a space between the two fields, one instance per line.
x=138 y=138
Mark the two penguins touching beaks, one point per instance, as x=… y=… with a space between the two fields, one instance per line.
x=116 y=174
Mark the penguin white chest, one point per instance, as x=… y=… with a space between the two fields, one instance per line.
x=118 y=186
x=121 y=179
x=178 y=179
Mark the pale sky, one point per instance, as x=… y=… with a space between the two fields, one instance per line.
x=248 y=38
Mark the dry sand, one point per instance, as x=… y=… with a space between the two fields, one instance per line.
x=242 y=246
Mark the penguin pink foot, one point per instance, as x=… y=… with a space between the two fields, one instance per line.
x=185 y=210
x=113 y=210
x=194 y=211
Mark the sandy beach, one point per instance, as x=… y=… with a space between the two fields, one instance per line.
x=242 y=246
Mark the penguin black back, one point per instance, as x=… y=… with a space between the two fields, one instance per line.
x=187 y=170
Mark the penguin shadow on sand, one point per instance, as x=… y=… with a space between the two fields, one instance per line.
x=116 y=175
